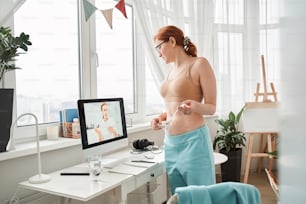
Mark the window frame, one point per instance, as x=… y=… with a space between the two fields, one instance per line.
x=87 y=76
x=89 y=69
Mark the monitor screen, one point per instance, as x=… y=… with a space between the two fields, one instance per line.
x=103 y=127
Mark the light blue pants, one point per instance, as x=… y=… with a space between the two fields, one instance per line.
x=189 y=159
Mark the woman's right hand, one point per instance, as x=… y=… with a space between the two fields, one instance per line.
x=155 y=123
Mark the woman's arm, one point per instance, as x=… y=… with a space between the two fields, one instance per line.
x=207 y=81
x=203 y=75
x=155 y=123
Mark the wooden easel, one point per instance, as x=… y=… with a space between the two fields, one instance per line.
x=270 y=136
x=265 y=94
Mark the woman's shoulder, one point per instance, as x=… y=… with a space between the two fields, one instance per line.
x=201 y=60
x=201 y=63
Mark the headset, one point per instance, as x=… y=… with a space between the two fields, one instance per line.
x=142 y=144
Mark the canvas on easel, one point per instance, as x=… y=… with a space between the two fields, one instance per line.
x=261 y=116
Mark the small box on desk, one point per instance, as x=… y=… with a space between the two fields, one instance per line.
x=260 y=117
x=66 y=119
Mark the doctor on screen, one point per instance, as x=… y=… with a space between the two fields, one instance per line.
x=107 y=127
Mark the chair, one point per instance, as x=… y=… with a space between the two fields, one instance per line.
x=227 y=192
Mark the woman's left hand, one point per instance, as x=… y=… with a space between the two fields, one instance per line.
x=187 y=107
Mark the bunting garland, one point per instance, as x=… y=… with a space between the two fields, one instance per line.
x=121 y=7
x=89 y=9
x=108 y=15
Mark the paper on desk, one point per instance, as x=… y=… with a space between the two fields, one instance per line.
x=139 y=163
x=127 y=169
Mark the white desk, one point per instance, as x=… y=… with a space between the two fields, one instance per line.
x=130 y=177
x=127 y=178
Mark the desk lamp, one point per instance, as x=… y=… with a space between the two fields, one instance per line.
x=39 y=178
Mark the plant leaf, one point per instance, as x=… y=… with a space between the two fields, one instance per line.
x=240 y=114
x=228 y=136
x=9 y=47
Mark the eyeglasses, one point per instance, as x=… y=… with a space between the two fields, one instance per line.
x=157 y=47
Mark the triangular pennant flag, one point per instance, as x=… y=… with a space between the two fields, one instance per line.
x=89 y=9
x=108 y=15
x=121 y=7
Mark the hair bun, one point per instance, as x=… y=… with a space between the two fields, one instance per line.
x=186 y=43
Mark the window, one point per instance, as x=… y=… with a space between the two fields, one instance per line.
x=116 y=70
x=49 y=80
x=114 y=48
x=72 y=58
x=270 y=38
x=229 y=12
x=154 y=102
x=245 y=30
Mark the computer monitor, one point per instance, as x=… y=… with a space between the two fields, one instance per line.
x=103 y=126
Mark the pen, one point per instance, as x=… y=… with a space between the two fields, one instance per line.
x=74 y=174
x=143 y=161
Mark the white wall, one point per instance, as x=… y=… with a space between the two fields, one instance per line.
x=292 y=161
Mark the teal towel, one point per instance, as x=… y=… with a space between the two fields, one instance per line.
x=221 y=193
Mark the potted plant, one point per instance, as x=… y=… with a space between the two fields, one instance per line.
x=9 y=50
x=229 y=140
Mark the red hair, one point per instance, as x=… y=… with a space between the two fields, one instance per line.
x=166 y=32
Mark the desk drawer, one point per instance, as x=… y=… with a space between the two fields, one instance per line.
x=149 y=175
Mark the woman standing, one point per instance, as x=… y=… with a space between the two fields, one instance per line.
x=189 y=92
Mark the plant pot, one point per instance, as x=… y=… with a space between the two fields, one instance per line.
x=231 y=169
x=6 y=110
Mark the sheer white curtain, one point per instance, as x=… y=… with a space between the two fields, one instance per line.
x=194 y=17
x=231 y=34
x=245 y=30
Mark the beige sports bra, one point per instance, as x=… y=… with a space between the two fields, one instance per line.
x=181 y=88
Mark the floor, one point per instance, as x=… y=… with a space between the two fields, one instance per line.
x=260 y=180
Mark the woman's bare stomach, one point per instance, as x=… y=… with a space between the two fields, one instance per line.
x=179 y=123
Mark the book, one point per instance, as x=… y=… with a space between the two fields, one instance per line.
x=66 y=119
x=67 y=115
